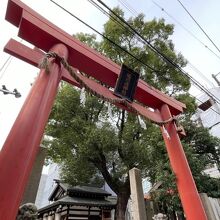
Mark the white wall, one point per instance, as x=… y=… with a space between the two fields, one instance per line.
x=211 y=119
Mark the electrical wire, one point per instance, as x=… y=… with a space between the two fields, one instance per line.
x=187 y=30
x=189 y=63
x=198 y=25
x=115 y=20
x=5 y=65
x=129 y=8
x=107 y=13
x=207 y=105
x=198 y=71
x=161 y=55
x=106 y=37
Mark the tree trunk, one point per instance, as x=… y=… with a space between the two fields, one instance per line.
x=172 y=215
x=122 y=200
x=181 y=216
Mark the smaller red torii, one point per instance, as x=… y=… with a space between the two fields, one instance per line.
x=20 y=148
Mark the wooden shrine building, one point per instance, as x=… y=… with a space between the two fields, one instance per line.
x=79 y=203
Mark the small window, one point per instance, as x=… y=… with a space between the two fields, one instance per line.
x=206 y=105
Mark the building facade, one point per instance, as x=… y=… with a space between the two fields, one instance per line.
x=208 y=115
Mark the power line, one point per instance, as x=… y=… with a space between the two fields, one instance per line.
x=198 y=85
x=115 y=20
x=189 y=63
x=198 y=71
x=207 y=105
x=187 y=30
x=198 y=25
x=128 y=6
x=107 y=13
x=5 y=65
x=105 y=37
x=161 y=55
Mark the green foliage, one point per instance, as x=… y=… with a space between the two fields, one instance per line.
x=203 y=143
x=189 y=101
x=165 y=77
x=89 y=39
x=91 y=143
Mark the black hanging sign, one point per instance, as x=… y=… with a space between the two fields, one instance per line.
x=126 y=83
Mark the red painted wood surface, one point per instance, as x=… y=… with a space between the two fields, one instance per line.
x=189 y=196
x=43 y=34
x=33 y=57
x=21 y=146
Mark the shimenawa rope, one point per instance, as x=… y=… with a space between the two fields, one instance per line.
x=44 y=64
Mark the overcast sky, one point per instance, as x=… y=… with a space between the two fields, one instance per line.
x=20 y=75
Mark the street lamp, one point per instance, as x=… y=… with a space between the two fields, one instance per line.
x=6 y=92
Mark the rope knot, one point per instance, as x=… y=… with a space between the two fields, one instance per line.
x=44 y=64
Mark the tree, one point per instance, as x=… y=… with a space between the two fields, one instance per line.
x=199 y=146
x=203 y=142
x=94 y=139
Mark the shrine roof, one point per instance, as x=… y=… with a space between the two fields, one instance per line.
x=62 y=189
x=91 y=202
x=88 y=190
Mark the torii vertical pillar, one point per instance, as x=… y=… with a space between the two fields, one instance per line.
x=189 y=196
x=25 y=136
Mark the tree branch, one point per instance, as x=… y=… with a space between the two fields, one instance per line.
x=122 y=125
x=101 y=165
x=99 y=111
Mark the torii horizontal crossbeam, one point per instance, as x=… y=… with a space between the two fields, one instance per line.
x=43 y=34
x=34 y=57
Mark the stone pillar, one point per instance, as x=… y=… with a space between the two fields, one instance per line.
x=58 y=214
x=34 y=180
x=50 y=217
x=45 y=216
x=207 y=206
x=137 y=195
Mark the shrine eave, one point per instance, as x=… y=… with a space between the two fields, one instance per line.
x=43 y=34
x=67 y=200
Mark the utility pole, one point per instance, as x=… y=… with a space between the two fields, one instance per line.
x=215 y=78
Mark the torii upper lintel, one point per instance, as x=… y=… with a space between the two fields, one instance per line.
x=43 y=34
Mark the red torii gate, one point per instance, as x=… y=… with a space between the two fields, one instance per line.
x=21 y=145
